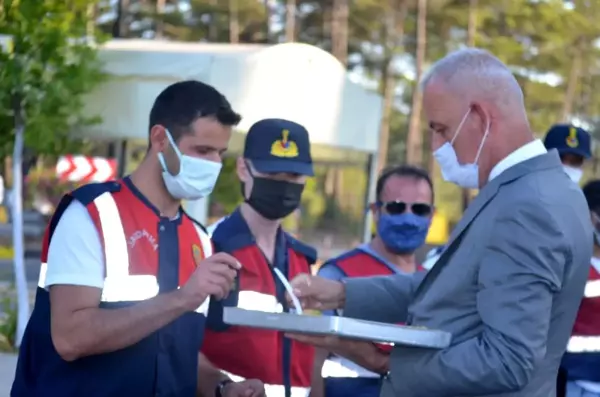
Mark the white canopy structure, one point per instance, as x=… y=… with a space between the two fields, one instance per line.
x=295 y=81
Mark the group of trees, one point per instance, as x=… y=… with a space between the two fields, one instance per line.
x=551 y=45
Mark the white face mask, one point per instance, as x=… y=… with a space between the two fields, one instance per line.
x=196 y=177
x=574 y=173
x=464 y=175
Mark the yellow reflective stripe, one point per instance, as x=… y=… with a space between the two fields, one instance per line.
x=583 y=344
x=252 y=300
x=338 y=367
x=592 y=289
x=115 y=244
x=276 y=390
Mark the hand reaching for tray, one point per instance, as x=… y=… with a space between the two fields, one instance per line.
x=365 y=354
x=316 y=293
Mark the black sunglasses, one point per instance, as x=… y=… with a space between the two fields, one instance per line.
x=400 y=207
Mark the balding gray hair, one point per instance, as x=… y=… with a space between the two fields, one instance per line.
x=477 y=71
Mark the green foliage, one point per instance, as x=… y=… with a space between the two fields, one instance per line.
x=313 y=204
x=538 y=39
x=214 y=21
x=205 y=20
x=47 y=72
x=227 y=190
x=8 y=320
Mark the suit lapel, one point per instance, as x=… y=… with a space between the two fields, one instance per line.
x=489 y=191
x=485 y=195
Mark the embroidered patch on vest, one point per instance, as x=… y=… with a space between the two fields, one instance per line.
x=197 y=253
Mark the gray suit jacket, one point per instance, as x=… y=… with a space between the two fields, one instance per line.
x=507 y=287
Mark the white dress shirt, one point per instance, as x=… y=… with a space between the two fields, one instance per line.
x=528 y=151
x=524 y=153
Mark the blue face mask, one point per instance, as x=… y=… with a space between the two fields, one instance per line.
x=404 y=233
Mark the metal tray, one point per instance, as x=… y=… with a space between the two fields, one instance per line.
x=340 y=326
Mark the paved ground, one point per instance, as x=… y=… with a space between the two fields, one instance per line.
x=7 y=372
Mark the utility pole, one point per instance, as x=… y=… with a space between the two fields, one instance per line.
x=234 y=22
x=290 y=21
x=120 y=30
x=471 y=39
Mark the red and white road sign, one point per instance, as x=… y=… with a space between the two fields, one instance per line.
x=86 y=169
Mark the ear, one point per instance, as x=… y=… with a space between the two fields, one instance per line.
x=376 y=214
x=485 y=117
x=373 y=208
x=242 y=170
x=375 y=211
x=158 y=138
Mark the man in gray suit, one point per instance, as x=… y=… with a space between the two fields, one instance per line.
x=509 y=284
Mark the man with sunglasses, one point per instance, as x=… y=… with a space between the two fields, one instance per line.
x=402 y=213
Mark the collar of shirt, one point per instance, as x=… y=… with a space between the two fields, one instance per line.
x=596 y=263
x=210 y=229
x=524 y=153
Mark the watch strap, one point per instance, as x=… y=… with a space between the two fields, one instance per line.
x=221 y=386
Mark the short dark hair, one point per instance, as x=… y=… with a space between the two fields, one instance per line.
x=404 y=170
x=182 y=103
x=591 y=191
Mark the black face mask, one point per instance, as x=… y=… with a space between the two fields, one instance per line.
x=274 y=199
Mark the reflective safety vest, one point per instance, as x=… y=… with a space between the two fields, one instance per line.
x=247 y=353
x=356 y=263
x=145 y=255
x=582 y=360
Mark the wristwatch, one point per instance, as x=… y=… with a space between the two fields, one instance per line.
x=221 y=386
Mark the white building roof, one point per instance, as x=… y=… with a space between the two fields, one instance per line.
x=293 y=81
